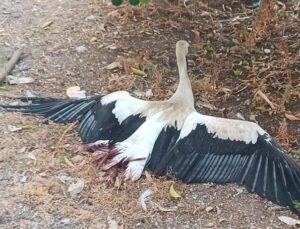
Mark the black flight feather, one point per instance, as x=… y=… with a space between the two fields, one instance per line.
x=262 y=167
x=97 y=121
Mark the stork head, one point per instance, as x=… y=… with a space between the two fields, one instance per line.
x=182 y=48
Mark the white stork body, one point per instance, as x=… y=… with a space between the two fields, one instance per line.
x=171 y=136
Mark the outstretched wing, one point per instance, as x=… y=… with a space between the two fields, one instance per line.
x=112 y=117
x=219 y=150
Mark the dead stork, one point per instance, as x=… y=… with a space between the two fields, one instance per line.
x=172 y=137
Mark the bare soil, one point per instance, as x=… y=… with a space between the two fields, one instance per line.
x=230 y=62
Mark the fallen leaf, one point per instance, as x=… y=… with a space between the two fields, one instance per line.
x=237 y=72
x=27 y=127
x=226 y=90
x=145 y=196
x=113 y=65
x=64 y=159
x=292 y=117
x=138 y=72
x=173 y=193
x=3 y=88
x=289 y=221
x=198 y=44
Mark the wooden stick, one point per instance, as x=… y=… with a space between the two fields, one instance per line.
x=10 y=64
x=261 y=94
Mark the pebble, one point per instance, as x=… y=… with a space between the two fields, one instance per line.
x=267 y=51
x=81 y=49
x=65 y=221
x=210 y=225
x=209 y=209
x=149 y=93
x=90 y=18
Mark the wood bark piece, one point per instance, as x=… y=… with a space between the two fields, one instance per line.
x=10 y=64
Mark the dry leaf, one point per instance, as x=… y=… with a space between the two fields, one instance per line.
x=66 y=160
x=292 y=117
x=173 y=193
x=113 y=65
x=27 y=127
x=198 y=44
x=138 y=72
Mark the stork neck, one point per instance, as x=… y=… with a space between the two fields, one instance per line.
x=184 y=91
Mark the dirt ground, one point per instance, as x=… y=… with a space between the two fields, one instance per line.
x=243 y=62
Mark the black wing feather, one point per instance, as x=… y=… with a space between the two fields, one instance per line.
x=262 y=167
x=97 y=121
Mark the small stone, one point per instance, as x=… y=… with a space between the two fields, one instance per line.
x=209 y=209
x=210 y=225
x=23 y=177
x=31 y=156
x=149 y=93
x=240 y=116
x=23 y=150
x=252 y=118
x=65 y=221
x=19 y=80
x=267 y=51
x=90 y=18
x=222 y=220
x=81 y=49
x=64 y=178
x=93 y=39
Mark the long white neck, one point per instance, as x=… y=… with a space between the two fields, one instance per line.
x=184 y=93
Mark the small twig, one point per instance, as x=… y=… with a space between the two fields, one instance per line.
x=3 y=21
x=239 y=91
x=261 y=94
x=64 y=134
x=10 y=64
